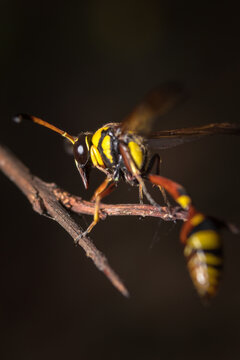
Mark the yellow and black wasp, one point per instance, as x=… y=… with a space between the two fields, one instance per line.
x=121 y=151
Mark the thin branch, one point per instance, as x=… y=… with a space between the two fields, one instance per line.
x=45 y=202
x=48 y=199
x=80 y=206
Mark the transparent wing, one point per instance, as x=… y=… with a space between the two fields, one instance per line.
x=166 y=139
x=154 y=104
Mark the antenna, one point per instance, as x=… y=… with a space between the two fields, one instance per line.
x=20 y=117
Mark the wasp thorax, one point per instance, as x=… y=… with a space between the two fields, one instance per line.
x=81 y=150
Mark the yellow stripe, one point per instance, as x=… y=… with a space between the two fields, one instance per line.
x=197 y=219
x=211 y=259
x=87 y=142
x=96 y=156
x=136 y=153
x=201 y=257
x=187 y=250
x=204 y=240
x=213 y=280
x=106 y=147
x=213 y=272
x=97 y=135
x=184 y=201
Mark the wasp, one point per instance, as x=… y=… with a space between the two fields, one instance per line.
x=121 y=151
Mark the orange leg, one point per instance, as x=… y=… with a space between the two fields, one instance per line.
x=164 y=195
x=174 y=189
x=140 y=191
x=103 y=190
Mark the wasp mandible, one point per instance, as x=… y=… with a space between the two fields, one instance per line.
x=121 y=151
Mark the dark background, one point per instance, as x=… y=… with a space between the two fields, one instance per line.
x=80 y=65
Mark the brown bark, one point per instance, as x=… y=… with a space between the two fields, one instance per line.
x=48 y=199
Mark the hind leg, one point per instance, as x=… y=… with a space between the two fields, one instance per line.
x=156 y=161
x=177 y=191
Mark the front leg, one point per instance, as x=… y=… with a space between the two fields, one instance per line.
x=103 y=190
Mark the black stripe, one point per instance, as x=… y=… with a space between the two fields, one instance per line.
x=181 y=191
x=217 y=267
x=114 y=146
x=217 y=252
x=206 y=224
x=104 y=157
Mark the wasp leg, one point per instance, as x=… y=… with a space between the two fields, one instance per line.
x=140 y=192
x=163 y=192
x=103 y=190
x=132 y=168
x=157 y=160
x=176 y=190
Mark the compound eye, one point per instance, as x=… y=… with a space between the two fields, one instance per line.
x=80 y=151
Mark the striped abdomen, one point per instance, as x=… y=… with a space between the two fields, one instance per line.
x=203 y=251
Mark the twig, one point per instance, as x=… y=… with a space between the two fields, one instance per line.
x=48 y=199
x=80 y=206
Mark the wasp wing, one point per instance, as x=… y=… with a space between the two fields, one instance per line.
x=153 y=105
x=166 y=139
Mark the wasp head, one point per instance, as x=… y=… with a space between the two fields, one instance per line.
x=82 y=156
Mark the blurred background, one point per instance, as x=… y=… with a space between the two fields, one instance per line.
x=80 y=65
